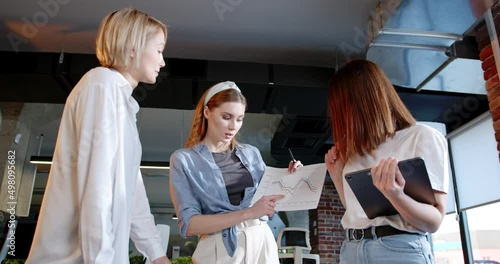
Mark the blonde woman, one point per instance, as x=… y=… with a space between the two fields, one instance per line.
x=372 y=128
x=214 y=178
x=95 y=198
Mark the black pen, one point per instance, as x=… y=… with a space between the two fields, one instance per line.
x=291 y=154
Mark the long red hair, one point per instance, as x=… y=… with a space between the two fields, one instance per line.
x=365 y=109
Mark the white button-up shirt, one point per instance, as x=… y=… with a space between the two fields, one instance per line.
x=95 y=198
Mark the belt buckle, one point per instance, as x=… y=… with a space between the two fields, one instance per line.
x=355 y=232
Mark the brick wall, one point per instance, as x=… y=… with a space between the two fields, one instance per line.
x=329 y=234
x=490 y=71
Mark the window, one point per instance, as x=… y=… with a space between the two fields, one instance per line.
x=446 y=242
x=484 y=229
x=475 y=160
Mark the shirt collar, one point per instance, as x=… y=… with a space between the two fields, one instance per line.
x=122 y=82
x=127 y=90
x=200 y=146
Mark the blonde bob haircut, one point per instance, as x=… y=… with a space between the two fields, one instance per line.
x=200 y=123
x=365 y=109
x=124 y=31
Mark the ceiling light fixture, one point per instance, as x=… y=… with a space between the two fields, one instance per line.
x=157 y=165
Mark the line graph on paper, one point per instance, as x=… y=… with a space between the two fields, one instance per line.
x=301 y=189
x=290 y=190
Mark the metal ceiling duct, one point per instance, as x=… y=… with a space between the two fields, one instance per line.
x=417 y=43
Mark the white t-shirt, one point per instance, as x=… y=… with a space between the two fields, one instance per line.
x=416 y=141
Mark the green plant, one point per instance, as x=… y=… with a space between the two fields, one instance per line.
x=191 y=244
x=137 y=259
x=14 y=261
x=182 y=260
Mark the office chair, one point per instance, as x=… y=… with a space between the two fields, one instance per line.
x=165 y=235
x=296 y=239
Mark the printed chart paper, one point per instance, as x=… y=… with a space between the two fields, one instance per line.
x=302 y=189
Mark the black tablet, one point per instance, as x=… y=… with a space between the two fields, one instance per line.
x=375 y=204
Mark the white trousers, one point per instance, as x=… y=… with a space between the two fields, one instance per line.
x=256 y=245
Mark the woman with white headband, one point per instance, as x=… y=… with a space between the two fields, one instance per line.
x=213 y=179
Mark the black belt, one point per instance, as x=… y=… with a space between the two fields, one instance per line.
x=380 y=231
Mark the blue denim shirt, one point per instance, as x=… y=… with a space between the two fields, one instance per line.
x=197 y=186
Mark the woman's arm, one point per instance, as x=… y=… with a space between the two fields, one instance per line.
x=388 y=179
x=335 y=166
x=143 y=231
x=425 y=217
x=95 y=119
x=207 y=224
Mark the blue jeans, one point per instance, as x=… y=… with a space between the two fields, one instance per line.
x=403 y=248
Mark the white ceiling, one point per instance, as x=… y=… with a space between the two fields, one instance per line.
x=279 y=31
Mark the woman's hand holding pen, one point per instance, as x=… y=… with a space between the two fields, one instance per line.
x=294 y=164
x=264 y=206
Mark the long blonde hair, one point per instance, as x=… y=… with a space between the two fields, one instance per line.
x=200 y=124
x=365 y=108
x=123 y=31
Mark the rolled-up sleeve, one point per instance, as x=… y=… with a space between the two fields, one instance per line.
x=185 y=202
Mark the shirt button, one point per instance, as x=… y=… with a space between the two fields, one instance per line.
x=224 y=235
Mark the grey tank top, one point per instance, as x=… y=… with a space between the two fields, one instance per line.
x=236 y=176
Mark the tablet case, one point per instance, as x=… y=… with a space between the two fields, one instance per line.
x=375 y=204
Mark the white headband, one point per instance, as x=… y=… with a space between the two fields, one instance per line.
x=220 y=87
